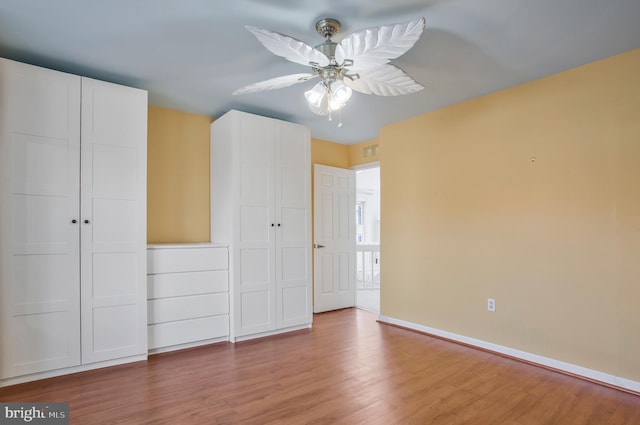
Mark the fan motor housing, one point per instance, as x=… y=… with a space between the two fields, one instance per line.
x=328 y=48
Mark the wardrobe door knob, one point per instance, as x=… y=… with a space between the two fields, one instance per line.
x=74 y=221
x=86 y=222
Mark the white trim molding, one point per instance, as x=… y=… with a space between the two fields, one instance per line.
x=69 y=370
x=546 y=362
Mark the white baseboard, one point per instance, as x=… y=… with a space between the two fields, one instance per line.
x=270 y=333
x=68 y=370
x=188 y=345
x=572 y=369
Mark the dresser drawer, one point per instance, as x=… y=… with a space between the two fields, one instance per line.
x=182 y=308
x=189 y=283
x=174 y=260
x=187 y=331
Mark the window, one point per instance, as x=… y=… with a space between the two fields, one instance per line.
x=360 y=238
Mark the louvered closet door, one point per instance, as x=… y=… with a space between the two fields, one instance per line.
x=39 y=183
x=114 y=135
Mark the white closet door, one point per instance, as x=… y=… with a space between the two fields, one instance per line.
x=254 y=258
x=113 y=217
x=39 y=178
x=293 y=203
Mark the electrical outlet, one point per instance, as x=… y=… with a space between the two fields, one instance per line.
x=491 y=304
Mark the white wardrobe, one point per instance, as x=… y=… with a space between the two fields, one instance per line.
x=261 y=209
x=72 y=223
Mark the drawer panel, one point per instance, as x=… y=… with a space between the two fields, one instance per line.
x=189 y=283
x=171 y=260
x=182 y=308
x=186 y=331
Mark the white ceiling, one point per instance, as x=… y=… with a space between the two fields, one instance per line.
x=191 y=54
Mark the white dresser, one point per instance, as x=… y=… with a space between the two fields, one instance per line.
x=188 y=295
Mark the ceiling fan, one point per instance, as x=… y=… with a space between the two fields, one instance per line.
x=359 y=62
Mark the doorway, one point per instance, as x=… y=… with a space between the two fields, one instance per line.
x=368 y=239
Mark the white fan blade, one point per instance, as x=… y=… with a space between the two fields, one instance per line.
x=289 y=48
x=376 y=46
x=384 y=80
x=275 y=83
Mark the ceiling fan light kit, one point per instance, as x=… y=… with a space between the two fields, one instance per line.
x=359 y=62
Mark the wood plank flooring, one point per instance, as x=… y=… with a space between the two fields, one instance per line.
x=348 y=369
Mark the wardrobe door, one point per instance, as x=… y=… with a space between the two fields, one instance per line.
x=254 y=257
x=293 y=237
x=113 y=221
x=39 y=213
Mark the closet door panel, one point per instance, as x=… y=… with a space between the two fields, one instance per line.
x=37 y=228
x=39 y=179
x=40 y=279
x=113 y=329
x=257 y=224
x=43 y=165
x=297 y=222
x=43 y=344
x=114 y=275
x=255 y=313
x=113 y=221
x=40 y=102
x=294 y=265
x=294 y=304
x=113 y=229
x=255 y=269
x=114 y=170
x=293 y=199
x=255 y=184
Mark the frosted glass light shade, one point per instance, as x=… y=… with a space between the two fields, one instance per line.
x=341 y=92
x=316 y=94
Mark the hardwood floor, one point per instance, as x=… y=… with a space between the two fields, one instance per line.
x=348 y=369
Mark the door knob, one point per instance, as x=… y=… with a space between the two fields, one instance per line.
x=318 y=246
x=74 y=221
x=86 y=222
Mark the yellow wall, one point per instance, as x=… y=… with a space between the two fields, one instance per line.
x=364 y=153
x=177 y=177
x=344 y=156
x=178 y=174
x=530 y=196
x=329 y=153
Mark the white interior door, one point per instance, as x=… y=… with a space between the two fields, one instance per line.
x=39 y=229
x=113 y=220
x=334 y=235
